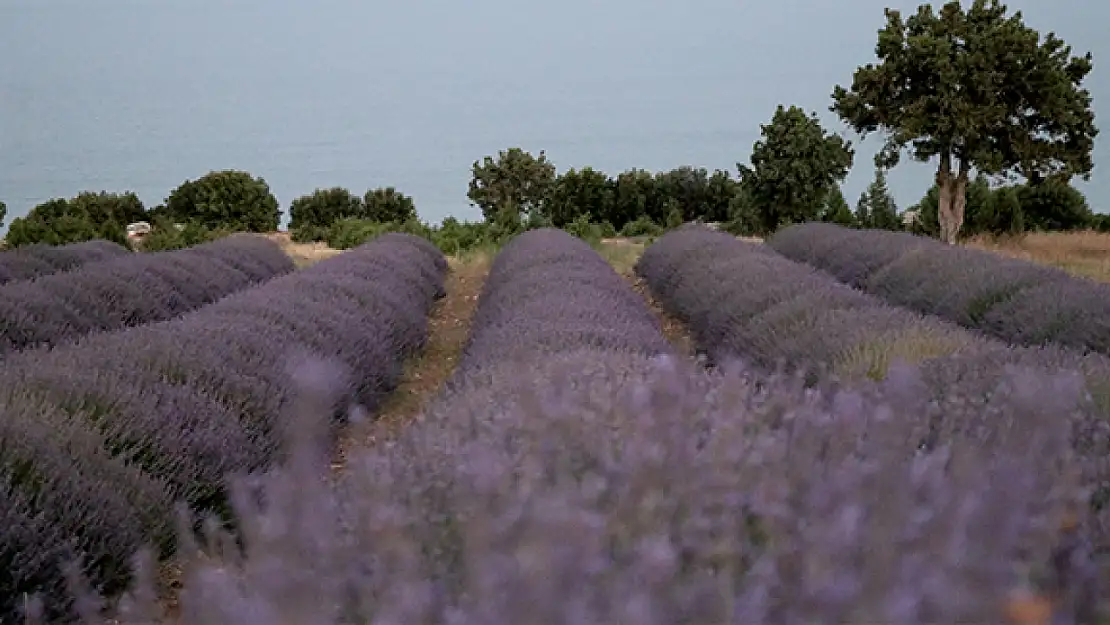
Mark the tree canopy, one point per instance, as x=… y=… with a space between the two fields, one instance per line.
x=793 y=167
x=880 y=210
x=224 y=200
x=836 y=209
x=976 y=89
x=323 y=207
x=84 y=217
x=388 y=205
x=578 y=192
x=512 y=187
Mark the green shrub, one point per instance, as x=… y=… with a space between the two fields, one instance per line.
x=640 y=227
x=311 y=215
x=456 y=237
x=165 y=235
x=225 y=200
x=309 y=234
x=85 y=217
x=583 y=229
x=348 y=233
x=387 y=204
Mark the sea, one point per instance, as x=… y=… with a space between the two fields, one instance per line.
x=141 y=95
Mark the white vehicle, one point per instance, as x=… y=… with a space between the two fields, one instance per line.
x=138 y=230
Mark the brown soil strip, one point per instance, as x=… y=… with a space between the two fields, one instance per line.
x=425 y=374
x=623 y=259
x=673 y=329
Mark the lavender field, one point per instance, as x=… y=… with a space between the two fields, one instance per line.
x=874 y=428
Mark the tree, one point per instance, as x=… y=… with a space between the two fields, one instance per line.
x=863 y=214
x=84 y=217
x=224 y=200
x=1053 y=204
x=722 y=188
x=635 y=197
x=794 y=166
x=104 y=209
x=836 y=209
x=743 y=218
x=977 y=196
x=511 y=188
x=882 y=212
x=975 y=89
x=3 y=213
x=323 y=208
x=577 y=193
x=1003 y=214
x=388 y=205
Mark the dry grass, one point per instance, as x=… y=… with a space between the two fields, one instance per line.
x=1085 y=254
x=303 y=254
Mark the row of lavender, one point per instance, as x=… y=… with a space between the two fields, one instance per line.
x=548 y=292
x=33 y=261
x=739 y=298
x=744 y=300
x=132 y=290
x=584 y=477
x=1019 y=302
x=102 y=437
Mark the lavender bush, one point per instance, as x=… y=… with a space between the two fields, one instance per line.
x=739 y=300
x=175 y=407
x=612 y=487
x=32 y=261
x=850 y=255
x=130 y=291
x=547 y=292
x=1019 y=302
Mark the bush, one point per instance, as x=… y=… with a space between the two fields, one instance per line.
x=576 y=195
x=740 y=299
x=1054 y=205
x=224 y=200
x=455 y=237
x=1017 y=301
x=549 y=292
x=311 y=215
x=167 y=236
x=349 y=233
x=851 y=256
x=35 y=260
x=86 y=217
x=387 y=205
x=603 y=488
x=582 y=228
x=163 y=412
x=132 y=290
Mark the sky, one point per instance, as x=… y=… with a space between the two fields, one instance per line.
x=143 y=94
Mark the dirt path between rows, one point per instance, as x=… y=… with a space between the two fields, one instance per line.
x=426 y=373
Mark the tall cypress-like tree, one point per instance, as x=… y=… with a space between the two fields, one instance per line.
x=836 y=209
x=881 y=209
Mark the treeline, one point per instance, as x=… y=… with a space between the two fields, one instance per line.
x=794 y=176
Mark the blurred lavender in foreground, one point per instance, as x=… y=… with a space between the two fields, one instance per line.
x=621 y=488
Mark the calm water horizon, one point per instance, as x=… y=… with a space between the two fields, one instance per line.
x=141 y=95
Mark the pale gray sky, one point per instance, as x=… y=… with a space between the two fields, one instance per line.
x=141 y=94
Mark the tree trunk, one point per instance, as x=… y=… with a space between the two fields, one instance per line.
x=952 y=199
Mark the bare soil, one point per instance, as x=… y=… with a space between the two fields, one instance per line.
x=426 y=373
